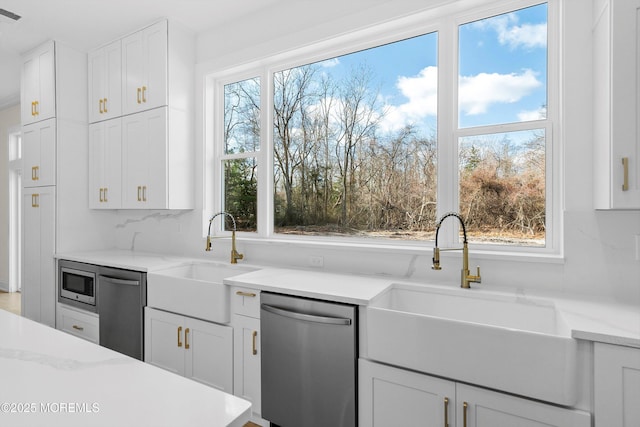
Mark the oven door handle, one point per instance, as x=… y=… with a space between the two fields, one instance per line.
x=117 y=281
x=306 y=317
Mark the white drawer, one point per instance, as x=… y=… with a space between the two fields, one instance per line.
x=79 y=323
x=245 y=301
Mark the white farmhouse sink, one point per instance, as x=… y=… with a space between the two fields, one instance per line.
x=193 y=289
x=515 y=344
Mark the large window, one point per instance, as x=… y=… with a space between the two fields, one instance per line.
x=351 y=145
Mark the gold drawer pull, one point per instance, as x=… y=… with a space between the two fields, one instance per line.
x=465 y=406
x=35 y=200
x=446 y=412
x=179 y=336
x=625 y=167
x=186 y=339
x=105 y=194
x=36 y=103
x=105 y=105
x=78 y=328
x=254 y=337
x=139 y=93
x=144 y=94
x=246 y=294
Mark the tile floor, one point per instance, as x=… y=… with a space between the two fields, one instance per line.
x=10 y=301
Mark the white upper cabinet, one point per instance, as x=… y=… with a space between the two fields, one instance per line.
x=105 y=148
x=145 y=69
x=105 y=82
x=39 y=154
x=144 y=160
x=38 y=93
x=616 y=44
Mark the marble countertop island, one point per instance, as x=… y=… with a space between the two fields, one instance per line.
x=50 y=378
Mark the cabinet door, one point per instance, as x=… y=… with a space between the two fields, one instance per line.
x=391 y=397
x=105 y=148
x=155 y=65
x=477 y=407
x=38 y=84
x=616 y=95
x=144 y=69
x=105 y=82
x=144 y=160
x=246 y=369
x=39 y=154
x=164 y=340
x=209 y=353
x=38 y=248
x=616 y=386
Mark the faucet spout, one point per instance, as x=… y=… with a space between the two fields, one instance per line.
x=466 y=277
x=235 y=255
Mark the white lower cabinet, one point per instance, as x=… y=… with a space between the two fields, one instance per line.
x=193 y=348
x=616 y=385
x=245 y=319
x=79 y=323
x=390 y=397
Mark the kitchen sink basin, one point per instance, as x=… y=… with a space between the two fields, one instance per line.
x=512 y=343
x=195 y=289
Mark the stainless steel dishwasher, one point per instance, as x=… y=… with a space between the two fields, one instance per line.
x=309 y=362
x=122 y=295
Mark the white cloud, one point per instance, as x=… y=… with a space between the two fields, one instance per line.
x=478 y=92
x=539 y=114
x=422 y=94
x=512 y=34
x=527 y=35
x=330 y=63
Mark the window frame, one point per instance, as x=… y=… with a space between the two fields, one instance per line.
x=445 y=21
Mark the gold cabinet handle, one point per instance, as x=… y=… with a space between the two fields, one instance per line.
x=179 y=336
x=254 y=343
x=35 y=200
x=101 y=195
x=37 y=168
x=33 y=108
x=625 y=172
x=446 y=412
x=105 y=104
x=465 y=406
x=105 y=194
x=245 y=294
x=186 y=339
x=139 y=195
x=33 y=173
x=78 y=328
x=139 y=93
x=100 y=104
x=36 y=103
x=144 y=94
x=144 y=193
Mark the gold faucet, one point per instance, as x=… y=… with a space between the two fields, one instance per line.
x=466 y=278
x=235 y=255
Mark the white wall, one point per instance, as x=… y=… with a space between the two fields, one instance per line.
x=9 y=118
x=599 y=257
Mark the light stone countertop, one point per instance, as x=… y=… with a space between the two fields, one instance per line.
x=591 y=319
x=50 y=378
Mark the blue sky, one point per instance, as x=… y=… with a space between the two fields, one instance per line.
x=502 y=72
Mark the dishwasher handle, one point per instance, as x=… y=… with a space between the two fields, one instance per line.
x=306 y=317
x=117 y=281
